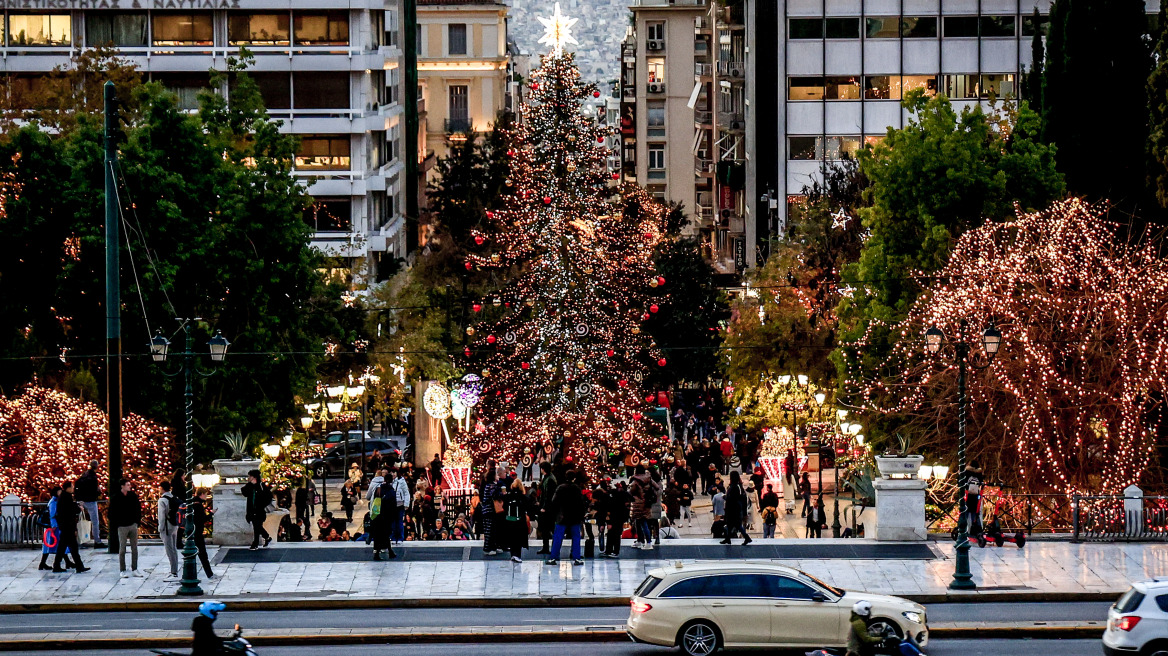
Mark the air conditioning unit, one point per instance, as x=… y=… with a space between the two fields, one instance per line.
x=736 y=71
x=737 y=125
x=656 y=87
x=655 y=44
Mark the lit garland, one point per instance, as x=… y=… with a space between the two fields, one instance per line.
x=1072 y=402
x=53 y=437
x=565 y=360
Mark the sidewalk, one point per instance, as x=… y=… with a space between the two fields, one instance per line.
x=1043 y=570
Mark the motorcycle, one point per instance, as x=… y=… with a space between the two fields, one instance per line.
x=890 y=645
x=233 y=646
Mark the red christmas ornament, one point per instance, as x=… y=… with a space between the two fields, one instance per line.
x=468 y=266
x=547 y=200
x=510 y=416
x=660 y=280
x=623 y=383
x=661 y=362
x=610 y=353
x=649 y=399
x=645 y=317
x=490 y=339
x=477 y=307
x=637 y=416
x=535 y=85
x=648 y=235
x=653 y=308
x=612 y=409
x=479 y=240
x=524 y=365
x=600 y=139
x=615 y=176
x=466 y=351
x=653 y=461
x=510 y=152
x=595 y=94
x=490 y=214
x=567 y=458
x=593 y=453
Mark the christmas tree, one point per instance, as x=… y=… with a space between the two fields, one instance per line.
x=560 y=349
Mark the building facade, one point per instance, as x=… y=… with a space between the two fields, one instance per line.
x=331 y=73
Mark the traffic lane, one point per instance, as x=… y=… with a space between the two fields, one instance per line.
x=438 y=617
x=937 y=648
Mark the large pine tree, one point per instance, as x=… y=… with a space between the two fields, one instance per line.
x=561 y=348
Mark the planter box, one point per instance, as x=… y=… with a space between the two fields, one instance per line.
x=899 y=466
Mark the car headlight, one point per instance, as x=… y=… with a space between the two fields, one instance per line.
x=913 y=616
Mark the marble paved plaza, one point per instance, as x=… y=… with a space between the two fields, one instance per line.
x=1053 y=567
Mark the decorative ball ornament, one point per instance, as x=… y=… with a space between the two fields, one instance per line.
x=468 y=266
x=510 y=416
x=623 y=383
x=477 y=307
x=661 y=362
x=466 y=351
x=637 y=416
x=610 y=353
x=648 y=235
x=490 y=339
x=581 y=365
x=535 y=86
x=660 y=280
x=495 y=258
x=600 y=140
x=636 y=330
x=507 y=181
x=653 y=283
x=470 y=330
x=615 y=176
x=479 y=239
x=490 y=215
x=485 y=373
x=547 y=200
x=595 y=94
x=530 y=302
x=649 y=398
x=525 y=365
x=436 y=401
x=510 y=152
x=571 y=167
x=645 y=317
x=497 y=302
x=654 y=308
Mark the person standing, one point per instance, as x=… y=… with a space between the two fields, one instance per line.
x=547 y=489
x=736 y=507
x=125 y=514
x=514 y=527
x=655 y=509
x=815 y=520
x=569 y=508
x=258 y=497
x=492 y=501
x=200 y=513
x=618 y=515
x=641 y=489
x=436 y=470
x=88 y=491
x=168 y=528
x=805 y=492
x=67 y=513
x=301 y=500
x=791 y=470
x=972 y=479
x=348 y=499
x=382 y=512
x=600 y=509
x=402 y=491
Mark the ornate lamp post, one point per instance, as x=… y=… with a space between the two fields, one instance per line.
x=991 y=340
x=160 y=350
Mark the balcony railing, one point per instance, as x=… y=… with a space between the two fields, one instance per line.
x=703 y=165
x=703 y=118
x=732 y=69
x=704 y=70
x=669 y=3
x=731 y=121
x=456 y=125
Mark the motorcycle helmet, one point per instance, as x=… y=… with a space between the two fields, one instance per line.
x=210 y=609
x=862 y=608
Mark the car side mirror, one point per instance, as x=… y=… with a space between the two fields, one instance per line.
x=818 y=596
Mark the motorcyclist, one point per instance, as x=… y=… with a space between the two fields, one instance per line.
x=860 y=642
x=206 y=642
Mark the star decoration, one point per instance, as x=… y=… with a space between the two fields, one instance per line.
x=558 y=31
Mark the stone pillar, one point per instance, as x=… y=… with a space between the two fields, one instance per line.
x=10 y=520
x=1133 y=510
x=231 y=526
x=900 y=509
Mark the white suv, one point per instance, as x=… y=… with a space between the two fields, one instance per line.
x=1137 y=625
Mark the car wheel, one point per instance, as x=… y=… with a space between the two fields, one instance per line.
x=1155 y=649
x=698 y=639
x=881 y=626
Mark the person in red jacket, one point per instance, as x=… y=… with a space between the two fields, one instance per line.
x=727 y=448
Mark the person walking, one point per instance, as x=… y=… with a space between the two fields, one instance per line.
x=790 y=469
x=402 y=490
x=382 y=513
x=168 y=528
x=514 y=526
x=301 y=500
x=815 y=520
x=600 y=510
x=67 y=514
x=656 y=509
x=736 y=507
x=88 y=491
x=52 y=536
x=258 y=497
x=805 y=492
x=348 y=499
x=492 y=507
x=200 y=513
x=619 y=501
x=971 y=482
x=125 y=514
x=641 y=489
x=685 y=498
x=569 y=507
x=547 y=489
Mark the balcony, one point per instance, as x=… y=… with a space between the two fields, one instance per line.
x=735 y=70
x=457 y=125
x=655 y=88
x=704 y=119
x=703 y=70
x=703 y=166
x=702 y=25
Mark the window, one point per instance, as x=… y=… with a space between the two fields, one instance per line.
x=457 y=37
x=998 y=26
x=842 y=87
x=960 y=26
x=258 y=29
x=971 y=87
x=872 y=140
x=655 y=31
x=186 y=86
x=1030 y=25
x=320 y=90
x=918 y=27
x=646 y=586
x=329 y=214
x=656 y=113
x=805 y=88
x=118 y=29
x=656 y=156
x=656 y=69
x=459 y=108
x=1162 y=602
x=327 y=28
x=999 y=85
x=926 y=82
x=1130 y=601
x=841 y=148
x=323 y=153
x=737 y=585
x=275 y=89
x=183 y=30
x=787 y=588
x=392 y=85
x=806 y=28
x=841 y=28
x=804 y=148
x=882 y=27
x=391 y=27
x=40 y=30
x=695 y=587
x=882 y=87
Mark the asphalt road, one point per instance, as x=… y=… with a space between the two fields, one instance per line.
x=937 y=648
x=588 y=616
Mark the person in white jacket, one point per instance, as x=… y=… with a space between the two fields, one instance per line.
x=402 y=492
x=167 y=530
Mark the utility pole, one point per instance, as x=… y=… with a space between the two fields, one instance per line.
x=413 y=179
x=113 y=305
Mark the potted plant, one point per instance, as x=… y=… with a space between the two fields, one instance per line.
x=238 y=444
x=898 y=464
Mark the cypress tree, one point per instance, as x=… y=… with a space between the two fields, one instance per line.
x=1158 y=113
x=1032 y=89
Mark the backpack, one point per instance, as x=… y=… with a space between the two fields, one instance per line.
x=375 y=507
x=770 y=515
x=172 y=515
x=43 y=517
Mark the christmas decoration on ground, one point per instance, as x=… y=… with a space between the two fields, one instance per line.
x=1073 y=400
x=49 y=437
x=565 y=365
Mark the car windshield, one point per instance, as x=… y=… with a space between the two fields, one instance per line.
x=830 y=588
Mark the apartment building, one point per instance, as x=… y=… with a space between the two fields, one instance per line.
x=331 y=73
x=464 y=68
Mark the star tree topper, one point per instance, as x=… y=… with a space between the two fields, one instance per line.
x=558 y=31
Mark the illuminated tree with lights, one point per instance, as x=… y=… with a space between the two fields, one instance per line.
x=1074 y=399
x=561 y=347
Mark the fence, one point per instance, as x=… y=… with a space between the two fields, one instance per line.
x=1029 y=513
x=20 y=524
x=1119 y=518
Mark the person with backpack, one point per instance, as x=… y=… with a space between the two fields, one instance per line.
x=382 y=514
x=66 y=522
x=258 y=497
x=168 y=528
x=88 y=491
x=125 y=514
x=514 y=526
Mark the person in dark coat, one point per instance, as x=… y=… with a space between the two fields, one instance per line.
x=125 y=515
x=815 y=517
x=348 y=499
x=67 y=512
x=569 y=507
x=301 y=499
x=618 y=514
x=258 y=497
x=490 y=494
x=736 y=509
x=512 y=527
x=200 y=515
x=547 y=489
x=805 y=492
x=381 y=526
x=87 y=492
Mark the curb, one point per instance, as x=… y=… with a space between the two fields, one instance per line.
x=253 y=603
x=507 y=634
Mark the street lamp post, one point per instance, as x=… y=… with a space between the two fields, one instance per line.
x=159 y=350
x=991 y=340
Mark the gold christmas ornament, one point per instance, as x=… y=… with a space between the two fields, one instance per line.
x=571 y=167
x=497 y=302
x=485 y=372
x=581 y=365
x=636 y=330
x=653 y=282
x=470 y=330
x=530 y=302
x=495 y=257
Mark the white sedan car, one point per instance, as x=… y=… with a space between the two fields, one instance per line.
x=705 y=607
x=1137 y=624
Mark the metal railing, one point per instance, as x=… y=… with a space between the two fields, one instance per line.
x=1029 y=513
x=1118 y=518
x=20 y=524
x=454 y=125
x=703 y=118
x=705 y=70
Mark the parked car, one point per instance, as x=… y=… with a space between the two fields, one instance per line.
x=1137 y=624
x=336 y=437
x=334 y=456
x=702 y=608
